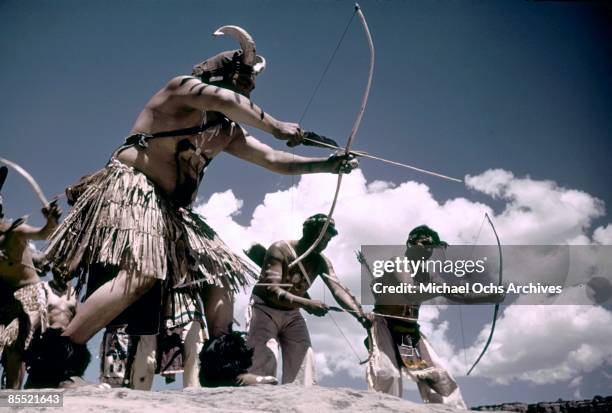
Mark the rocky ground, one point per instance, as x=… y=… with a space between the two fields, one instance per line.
x=281 y=399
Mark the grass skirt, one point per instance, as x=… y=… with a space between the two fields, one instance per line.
x=122 y=219
x=21 y=316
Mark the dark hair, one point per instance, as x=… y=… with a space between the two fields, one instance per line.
x=314 y=224
x=256 y=253
x=223 y=359
x=423 y=231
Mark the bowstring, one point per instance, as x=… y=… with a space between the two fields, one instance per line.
x=327 y=66
x=462 y=335
x=340 y=330
x=461 y=305
x=477 y=236
x=316 y=89
x=301 y=119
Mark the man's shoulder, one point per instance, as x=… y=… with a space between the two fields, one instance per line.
x=280 y=249
x=281 y=245
x=18 y=237
x=178 y=82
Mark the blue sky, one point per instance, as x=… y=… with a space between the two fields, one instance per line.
x=460 y=87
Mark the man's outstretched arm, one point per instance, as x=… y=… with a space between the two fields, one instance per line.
x=252 y=150
x=192 y=92
x=52 y=212
x=342 y=295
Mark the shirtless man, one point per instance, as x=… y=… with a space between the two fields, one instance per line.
x=399 y=345
x=276 y=309
x=61 y=306
x=22 y=299
x=131 y=227
x=61 y=301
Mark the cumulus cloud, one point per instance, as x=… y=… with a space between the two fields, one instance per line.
x=575 y=384
x=603 y=235
x=546 y=344
x=538 y=211
x=541 y=344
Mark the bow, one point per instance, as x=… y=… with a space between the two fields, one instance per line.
x=496 y=310
x=347 y=149
x=37 y=189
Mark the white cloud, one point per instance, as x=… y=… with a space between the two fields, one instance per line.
x=603 y=235
x=575 y=384
x=538 y=212
x=546 y=344
x=576 y=381
x=536 y=344
x=492 y=182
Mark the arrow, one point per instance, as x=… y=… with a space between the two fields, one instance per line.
x=315 y=139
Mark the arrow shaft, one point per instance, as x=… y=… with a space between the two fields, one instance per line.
x=378 y=158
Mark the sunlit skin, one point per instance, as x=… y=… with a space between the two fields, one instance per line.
x=275 y=271
x=422 y=249
x=61 y=302
x=183 y=103
x=17 y=270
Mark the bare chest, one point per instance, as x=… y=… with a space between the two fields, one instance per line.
x=301 y=280
x=60 y=302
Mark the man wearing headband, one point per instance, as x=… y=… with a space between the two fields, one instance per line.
x=22 y=297
x=399 y=345
x=131 y=227
x=280 y=294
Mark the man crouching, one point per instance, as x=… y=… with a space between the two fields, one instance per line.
x=22 y=298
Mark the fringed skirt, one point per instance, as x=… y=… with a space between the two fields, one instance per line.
x=121 y=219
x=22 y=316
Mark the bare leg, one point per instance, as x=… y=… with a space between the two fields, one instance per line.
x=145 y=362
x=106 y=303
x=15 y=370
x=218 y=309
x=193 y=345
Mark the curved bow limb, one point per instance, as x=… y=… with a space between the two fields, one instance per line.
x=496 y=310
x=37 y=189
x=351 y=137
